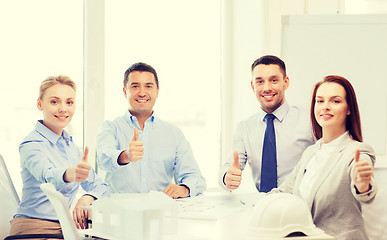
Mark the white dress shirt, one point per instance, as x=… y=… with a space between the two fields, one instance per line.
x=313 y=168
x=293 y=135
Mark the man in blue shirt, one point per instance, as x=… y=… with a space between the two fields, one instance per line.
x=292 y=127
x=140 y=152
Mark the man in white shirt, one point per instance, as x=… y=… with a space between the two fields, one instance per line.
x=292 y=127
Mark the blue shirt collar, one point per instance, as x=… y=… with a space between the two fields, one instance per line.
x=50 y=135
x=132 y=120
x=279 y=113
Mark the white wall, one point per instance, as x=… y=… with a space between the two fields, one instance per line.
x=242 y=26
x=256 y=31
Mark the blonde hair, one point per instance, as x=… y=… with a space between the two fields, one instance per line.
x=53 y=80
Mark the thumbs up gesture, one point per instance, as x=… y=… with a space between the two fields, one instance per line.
x=136 y=148
x=361 y=174
x=233 y=176
x=79 y=172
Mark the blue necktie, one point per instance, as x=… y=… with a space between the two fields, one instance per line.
x=269 y=157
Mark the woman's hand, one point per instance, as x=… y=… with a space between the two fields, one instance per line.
x=79 y=172
x=80 y=215
x=361 y=174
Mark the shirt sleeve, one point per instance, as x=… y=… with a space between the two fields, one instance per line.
x=94 y=186
x=35 y=160
x=107 y=148
x=239 y=146
x=187 y=171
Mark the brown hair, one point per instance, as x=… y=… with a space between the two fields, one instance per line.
x=352 y=124
x=269 y=60
x=53 y=80
x=140 y=67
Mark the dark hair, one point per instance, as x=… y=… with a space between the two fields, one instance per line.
x=140 y=67
x=352 y=124
x=268 y=60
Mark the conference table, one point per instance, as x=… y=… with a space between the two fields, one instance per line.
x=218 y=215
x=231 y=225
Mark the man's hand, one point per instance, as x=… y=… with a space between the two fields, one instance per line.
x=233 y=176
x=79 y=172
x=80 y=215
x=176 y=191
x=134 y=152
x=361 y=174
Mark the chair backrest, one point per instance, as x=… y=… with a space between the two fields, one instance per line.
x=57 y=200
x=9 y=199
x=375 y=214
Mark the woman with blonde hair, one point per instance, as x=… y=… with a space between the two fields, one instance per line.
x=48 y=154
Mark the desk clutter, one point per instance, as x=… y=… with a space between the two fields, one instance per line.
x=209 y=207
x=155 y=215
x=282 y=215
x=134 y=216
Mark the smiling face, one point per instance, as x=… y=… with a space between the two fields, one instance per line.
x=331 y=108
x=58 y=107
x=269 y=85
x=141 y=92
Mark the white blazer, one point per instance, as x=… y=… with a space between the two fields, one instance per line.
x=334 y=203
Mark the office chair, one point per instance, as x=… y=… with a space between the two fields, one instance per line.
x=8 y=198
x=58 y=202
x=375 y=214
x=9 y=202
x=66 y=221
x=8 y=178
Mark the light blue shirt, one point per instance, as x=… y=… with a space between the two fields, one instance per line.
x=293 y=135
x=44 y=157
x=167 y=155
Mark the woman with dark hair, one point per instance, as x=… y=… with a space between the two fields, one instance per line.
x=335 y=175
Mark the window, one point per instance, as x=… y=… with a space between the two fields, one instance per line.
x=39 y=39
x=365 y=6
x=181 y=40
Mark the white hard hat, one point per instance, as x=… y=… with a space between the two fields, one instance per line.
x=280 y=214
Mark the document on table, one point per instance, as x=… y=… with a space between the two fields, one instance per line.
x=214 y=207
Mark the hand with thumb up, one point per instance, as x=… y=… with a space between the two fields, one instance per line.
x=233 y=177
x=134 y=152
x=361 y=174
x=79 y=172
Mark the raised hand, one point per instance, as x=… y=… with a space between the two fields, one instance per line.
x=134 y=152
x=234 y=174
x=361 y=174
x=136 y=148
x=79 y=172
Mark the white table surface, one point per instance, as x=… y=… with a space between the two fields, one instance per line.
x=230 y=227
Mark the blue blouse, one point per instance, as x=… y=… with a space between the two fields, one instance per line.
x=44 y=157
